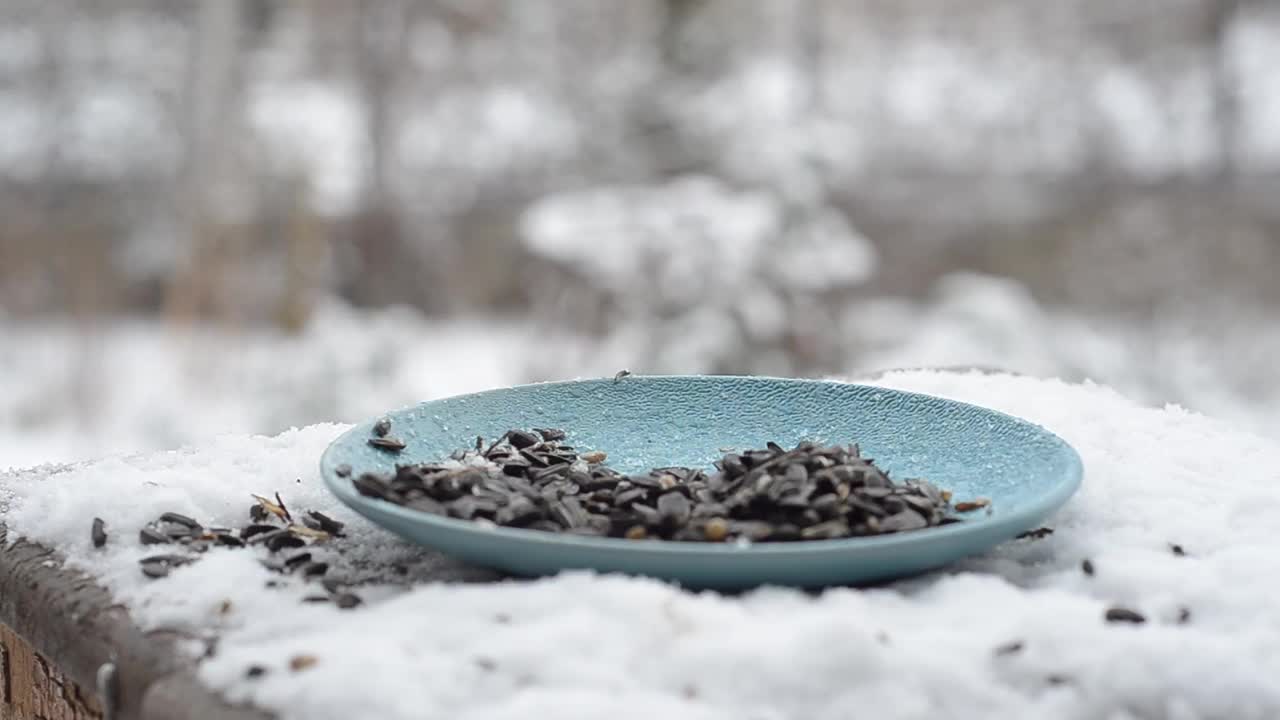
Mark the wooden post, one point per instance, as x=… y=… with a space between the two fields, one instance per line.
x=32 y=688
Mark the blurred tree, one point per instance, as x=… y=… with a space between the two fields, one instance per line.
x=1221 y=16
x=386 y=272
x=200 y=287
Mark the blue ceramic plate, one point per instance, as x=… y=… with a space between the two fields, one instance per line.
x=644 y=422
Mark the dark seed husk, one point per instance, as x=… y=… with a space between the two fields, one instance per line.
x=343 y=470
x=547 y=525
x=550 y=434
x=810 y=492
x=922 y=505
x=266 y=536
x=826 y=531
x=1086 y=566
x=371 y=485
x=626 y=497
x=284 y=540
x=155 y=570
x=1037 y=534
x=647 y=514
x=647 y=481
x=228 y=540
x=183 y=520
x=346 y=601
x=521 y=511
x=1009 y=648
x=751 y=530
x=516 y=468
x=315 y=569
x=464 y=508
x=568 y=512
x=674 y=508
x=547 y=474
x=387 y=443
x=158 y=566
x=98 y=533
x=249 y=531
x=826 y=505
x=426 y=504
x=326 y=523
x=1124 y=615
x=787 y=532
x=382 y=427
x=149 y=536
x=710 y=510
x=732 y=465
x=903 y=521
x=294 y=561
x=180 y=533
x=521 y=440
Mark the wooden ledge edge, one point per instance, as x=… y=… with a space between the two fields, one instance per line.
x=73 y=622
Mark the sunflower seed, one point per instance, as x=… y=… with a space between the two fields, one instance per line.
x=521 y=440
x=1124 y=615
x=809 y=492
x=674 y=508
x=1009 y=648
x=284 y=539
x=346 y=601
x=550 y=434
x=148 y=536
x=325 y=523
x=387 y=443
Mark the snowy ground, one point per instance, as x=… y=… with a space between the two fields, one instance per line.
x=586 y=646
x=140 y=386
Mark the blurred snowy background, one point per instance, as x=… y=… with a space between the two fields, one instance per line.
x=245 y=215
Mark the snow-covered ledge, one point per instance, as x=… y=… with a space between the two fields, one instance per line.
x=1017 y=633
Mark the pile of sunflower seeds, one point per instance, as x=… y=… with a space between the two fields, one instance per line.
x=270 y=525
x=533 y=480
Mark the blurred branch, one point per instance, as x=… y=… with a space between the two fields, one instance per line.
x=1226 y=88
x=213 y=73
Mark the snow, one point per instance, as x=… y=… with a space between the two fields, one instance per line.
x=686 y=233
x=1251 y=54
x=696 y=233
x=479 y=131
x=581 y=645
x=22 y=135
x=138 y=386
x=156 y=387
x=711 y=276
x=317 y=131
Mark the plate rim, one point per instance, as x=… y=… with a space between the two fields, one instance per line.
x=1042 y=506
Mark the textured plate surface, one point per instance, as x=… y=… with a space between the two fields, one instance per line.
x=644 y=422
